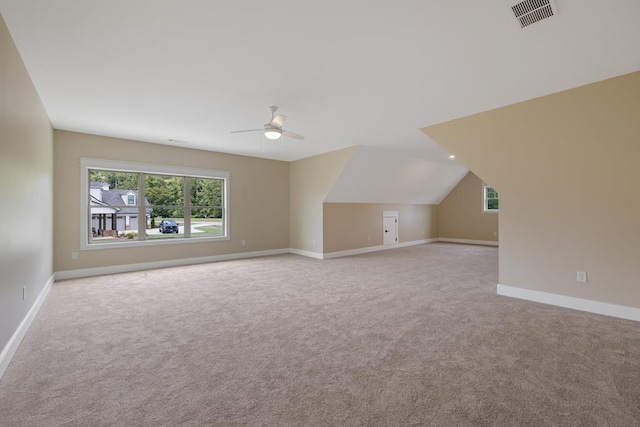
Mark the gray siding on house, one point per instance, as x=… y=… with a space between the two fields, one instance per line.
x=116 y=198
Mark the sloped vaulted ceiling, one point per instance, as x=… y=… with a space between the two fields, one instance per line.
x=378 y=175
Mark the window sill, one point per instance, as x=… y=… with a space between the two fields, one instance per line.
x=151 y=242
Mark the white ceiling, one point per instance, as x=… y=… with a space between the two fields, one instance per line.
x=380 y=175
x=348 y=72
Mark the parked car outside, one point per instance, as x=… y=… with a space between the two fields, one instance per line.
x=168 y=226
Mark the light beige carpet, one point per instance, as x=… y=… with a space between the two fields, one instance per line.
x=410 y=336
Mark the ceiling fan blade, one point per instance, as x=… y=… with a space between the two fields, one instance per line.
x=293 y=135
x=248 y=130
x=278 y=121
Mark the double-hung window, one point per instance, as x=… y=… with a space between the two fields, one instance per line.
x=126 y=204
x=490 y=199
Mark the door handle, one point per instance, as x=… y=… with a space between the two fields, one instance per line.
x=386 y=231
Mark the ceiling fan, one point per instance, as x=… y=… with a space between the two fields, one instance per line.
x=273 y=129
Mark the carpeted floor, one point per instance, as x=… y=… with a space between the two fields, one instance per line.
x=410 y=336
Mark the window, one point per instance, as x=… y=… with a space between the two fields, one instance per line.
x=490 y=199
x=128 y=204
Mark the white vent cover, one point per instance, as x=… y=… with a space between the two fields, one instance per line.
x=529 y=12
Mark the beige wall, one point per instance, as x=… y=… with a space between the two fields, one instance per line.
x=26 y=187
x=461 y=214
x=311 y=180
x=359 y=225
x=566 y=167
x=258 y=200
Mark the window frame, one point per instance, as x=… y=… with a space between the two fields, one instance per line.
x=485 y=200
x=146 y=168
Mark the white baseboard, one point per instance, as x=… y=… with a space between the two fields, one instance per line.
x=620 y=311
x=368 y=249
x=125 y=268
x=99 y=271
x=15 y=340
x=468 y=242
x=309 y=254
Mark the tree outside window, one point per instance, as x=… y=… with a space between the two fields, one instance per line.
x=491 y=203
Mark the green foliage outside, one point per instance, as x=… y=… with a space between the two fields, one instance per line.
x=165 y=193
x=206 y=197
x=492 y=199
x=116 y=180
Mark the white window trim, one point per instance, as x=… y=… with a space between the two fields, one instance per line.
x=121 y=166
x=484 y=201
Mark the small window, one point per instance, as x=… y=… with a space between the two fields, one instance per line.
x=490 y=199
x=131 y=199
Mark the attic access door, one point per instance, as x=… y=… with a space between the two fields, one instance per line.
x=390 y=227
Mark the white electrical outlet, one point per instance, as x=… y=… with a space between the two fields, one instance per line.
x=369 y=238
x=313 y=242
x=495 y=233
x=74 y=255
x=581 y=276
x=244 y=242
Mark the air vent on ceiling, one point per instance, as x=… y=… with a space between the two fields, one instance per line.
x=529 y=12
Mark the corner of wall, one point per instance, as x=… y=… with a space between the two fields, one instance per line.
x=26 y=180
x=461 y=217
x=310 y=180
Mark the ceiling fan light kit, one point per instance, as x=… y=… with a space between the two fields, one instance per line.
x=271 y=133
x=273 y=130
